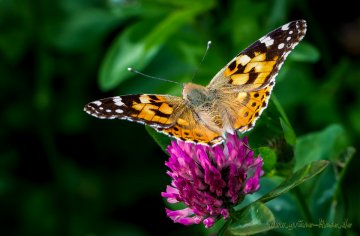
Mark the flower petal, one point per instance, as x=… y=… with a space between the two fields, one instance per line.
x=210 y=180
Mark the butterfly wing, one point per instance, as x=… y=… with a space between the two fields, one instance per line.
x=246 y=82
x=258 y=65
x=153 y=110
x=167 y=114
x=242 y=90
x=190 y=127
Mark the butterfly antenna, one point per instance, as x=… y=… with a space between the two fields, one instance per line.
x=152 y=77
x=202 y=60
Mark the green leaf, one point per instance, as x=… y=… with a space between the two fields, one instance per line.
x=137 y=46
x=305 y=52
x=161 y=139
x=126 y=52
x=289 y=134
x=269 y=157
x=222 y=230
x=253 y=219
x=295 y=179
x=331 y=208
x=279 y=108
x=318 y=146
x=83 y=30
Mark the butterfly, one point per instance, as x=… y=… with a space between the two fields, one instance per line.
x=232 y=101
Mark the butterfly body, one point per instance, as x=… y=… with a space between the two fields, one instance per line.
x=197 y=95
x=232 y=101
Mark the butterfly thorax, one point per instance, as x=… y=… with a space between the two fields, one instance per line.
x=197 y=95
x=202 y=101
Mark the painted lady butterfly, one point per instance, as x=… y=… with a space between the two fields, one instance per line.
x=233 y=100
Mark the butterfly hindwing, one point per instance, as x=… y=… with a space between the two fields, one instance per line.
x=253 y=103
x=188 y=127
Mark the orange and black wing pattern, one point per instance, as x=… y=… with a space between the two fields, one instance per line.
x=258 y=65
x=167 y=114
x=246 y=82
x=190 y=128
x=159 y=111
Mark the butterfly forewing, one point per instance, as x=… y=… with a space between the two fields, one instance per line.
x=258 y=65
x=251 y=74
x=154 y=110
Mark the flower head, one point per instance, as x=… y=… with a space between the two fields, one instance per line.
x=210 y=180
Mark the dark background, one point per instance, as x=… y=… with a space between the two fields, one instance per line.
x=63 y=172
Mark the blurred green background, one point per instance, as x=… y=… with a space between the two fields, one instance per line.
x=63 y=172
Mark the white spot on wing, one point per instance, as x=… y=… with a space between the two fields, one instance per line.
x=281 y=46
x=97 y=103
x=262 y=38
x=155 y=126
x=243 y=59
x=285 y=27
x=108 y=110
x=288 y=38
x=290 y=32
x=119 y=111
x=117 y=101
x=267 y=40
x=144 y=99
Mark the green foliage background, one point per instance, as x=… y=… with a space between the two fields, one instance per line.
x=63 y=172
